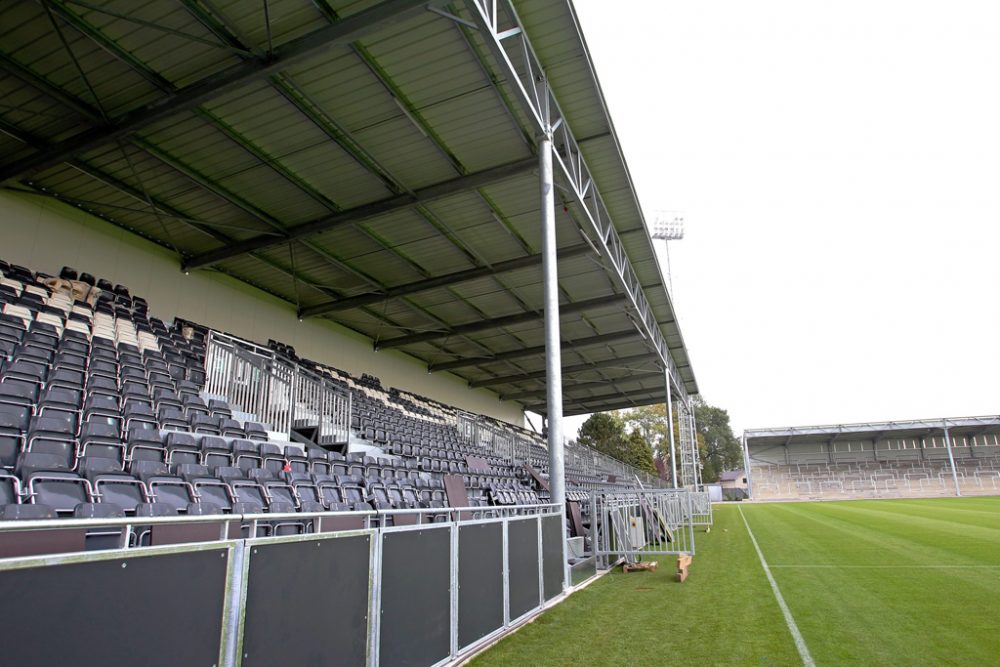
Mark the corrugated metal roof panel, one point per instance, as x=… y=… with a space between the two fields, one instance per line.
x=288 y=20
x=394 y=95
x=30 y=41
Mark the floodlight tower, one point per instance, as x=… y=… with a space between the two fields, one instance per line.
x=668 y=226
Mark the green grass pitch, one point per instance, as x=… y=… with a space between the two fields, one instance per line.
x=886 y=582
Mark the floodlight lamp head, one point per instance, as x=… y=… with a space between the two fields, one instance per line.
x=667 y=226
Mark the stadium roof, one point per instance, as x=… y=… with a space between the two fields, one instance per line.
x=872 y=430
x=373 y=163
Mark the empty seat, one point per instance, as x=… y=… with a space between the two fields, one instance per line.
x=19 y=394
x=203 y=423
x=246 y=454
x=10 y=490
x=138 y=416
x=319 y=461
x=111 y=485
x=53 y=436
x=285 y=526
x=100 y=439
x=216 y=452
x=13 y=424
x=278 y=491
x=255 y=431
x=191 y=471
x=145 y=445
x=170 y=490
x=182 y=448
x=214 y=492
x=48 y=482
x=273 y=458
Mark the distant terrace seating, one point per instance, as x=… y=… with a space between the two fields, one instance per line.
x=882 y=479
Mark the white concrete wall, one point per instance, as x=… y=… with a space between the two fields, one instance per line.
x=45 y=235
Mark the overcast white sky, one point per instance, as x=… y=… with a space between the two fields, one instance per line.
x=838 y=168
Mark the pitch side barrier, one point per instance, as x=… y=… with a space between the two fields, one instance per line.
x=410 y=586
x=701 y=508
x=639 y=524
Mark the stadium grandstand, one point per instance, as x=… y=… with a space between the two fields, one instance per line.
x=279 y=282
x=932 y=457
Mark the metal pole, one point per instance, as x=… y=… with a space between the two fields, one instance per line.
x=951 y=458
x=670 y=426
x=553 y=361
x=693 y=445
x=746 y=465
x=695 y=451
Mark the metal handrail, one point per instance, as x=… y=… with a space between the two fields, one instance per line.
x=276 y=390
x=122 y=522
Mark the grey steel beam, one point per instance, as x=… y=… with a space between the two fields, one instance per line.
x=567 y=389
x=439 y=281
x=746 y=466
x=108 y=45
x=637 y=397
x=603 y=403
x=951 y=458
x=228 y=80
x=401 y=201
x=670 y=426
x=567 y=370
x=497 y=322
x=54 y=92
x=601 y=339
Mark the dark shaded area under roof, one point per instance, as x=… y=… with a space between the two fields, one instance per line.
x=363 y=161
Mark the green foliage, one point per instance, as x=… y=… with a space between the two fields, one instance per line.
x=638 y=453
x=720 y=449
x=606 y=432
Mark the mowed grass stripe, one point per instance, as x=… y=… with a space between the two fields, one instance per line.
x=724 y=614
x=884 y=616
x=867 y=535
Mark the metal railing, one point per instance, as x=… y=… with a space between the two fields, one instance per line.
x=640 y=524
x=278 y=392
x=595 y=463
x=497 y=441
x=701 y=508
x=517 y=449
x=491 y=543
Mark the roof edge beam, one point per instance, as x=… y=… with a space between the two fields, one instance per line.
x=536 y=393
x=602 y=339
x=497 y=322
x=327 y=222
x=438 y=281
x=629 y=400
x=567 y=370
x=344 y=31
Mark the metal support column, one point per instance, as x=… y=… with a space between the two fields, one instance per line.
x=746 y=465
x=951 y=458
x=695 y=450
x=553 y=361
x=670 y=425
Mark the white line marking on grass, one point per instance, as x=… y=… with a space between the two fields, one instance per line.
x=800 y=643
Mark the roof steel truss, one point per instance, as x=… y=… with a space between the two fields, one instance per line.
x=501 y=29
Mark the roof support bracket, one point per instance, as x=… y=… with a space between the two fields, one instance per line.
x=501 y=29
